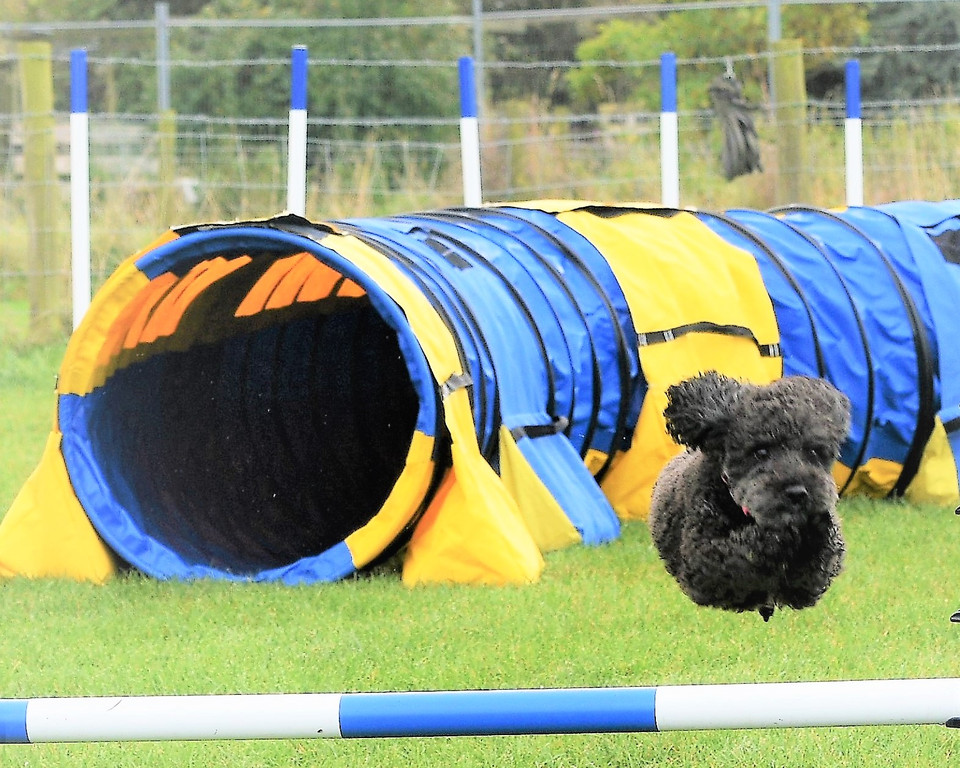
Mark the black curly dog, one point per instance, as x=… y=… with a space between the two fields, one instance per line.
x=745 y=519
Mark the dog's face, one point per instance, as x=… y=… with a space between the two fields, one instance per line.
x=775 y=444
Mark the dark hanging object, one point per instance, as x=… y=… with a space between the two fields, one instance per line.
x=741 y=150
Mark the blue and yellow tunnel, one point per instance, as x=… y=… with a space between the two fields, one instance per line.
x=467 y=388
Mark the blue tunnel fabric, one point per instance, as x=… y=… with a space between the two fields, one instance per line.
x=932 y=233
x=239 y=431
x=900 y=355
x=498 y=291
x=618 y=378
x=838 y=326
x=857 y=293
x=263 y=409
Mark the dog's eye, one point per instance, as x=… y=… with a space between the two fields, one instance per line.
x=822 y=455
x=761 y=453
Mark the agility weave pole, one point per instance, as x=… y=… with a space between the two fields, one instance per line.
x=481 y=713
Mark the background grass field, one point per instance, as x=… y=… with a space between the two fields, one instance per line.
x=605 y=616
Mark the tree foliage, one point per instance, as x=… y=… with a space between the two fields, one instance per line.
x=243 y=71
x=912 y=74
x=334 y=90
x=709 y=34
x=514 y=45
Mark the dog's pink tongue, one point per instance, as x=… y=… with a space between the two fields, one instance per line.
x=745 y=511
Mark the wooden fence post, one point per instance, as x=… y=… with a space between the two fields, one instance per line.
x=167 y=136
x=791 y=120
x=47 y=275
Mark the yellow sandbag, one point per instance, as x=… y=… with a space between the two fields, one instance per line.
x=473 y=532
x=936 y=478
x=544 y=518
x=46 y=533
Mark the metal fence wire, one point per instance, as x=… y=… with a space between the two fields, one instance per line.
x=228 y=143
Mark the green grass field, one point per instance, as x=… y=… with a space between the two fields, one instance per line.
x=607 y=616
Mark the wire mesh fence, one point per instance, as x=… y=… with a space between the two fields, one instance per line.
x=383 y=130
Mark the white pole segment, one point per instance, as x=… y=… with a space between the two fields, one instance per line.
x=803 y=705
x=184 y=718
x=297 y=133
x=297 y=172
x=853 y=142
x=853 y=135
x=469 y=135
x=669 y=160
x=669 y=136
x=470 y=159
x=79 y=186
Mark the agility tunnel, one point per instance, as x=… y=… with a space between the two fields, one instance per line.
x=468 y=387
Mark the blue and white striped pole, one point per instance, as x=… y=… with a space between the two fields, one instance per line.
x=853 y=135
x=469 y=134
x=79 y=186
x=297 y=141
x=669 y=138
x=482 y=713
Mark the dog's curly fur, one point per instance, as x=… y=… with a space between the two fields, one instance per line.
x=745 y=518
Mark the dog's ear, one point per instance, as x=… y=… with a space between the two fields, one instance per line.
x=699 y=409
x=834 y=407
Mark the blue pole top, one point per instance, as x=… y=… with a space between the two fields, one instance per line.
x=468 y=87
x=668 y=82
x=78 y=80
x=298 y=77
x=852 y=76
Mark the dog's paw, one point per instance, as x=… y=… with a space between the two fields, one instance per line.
x=766 y=611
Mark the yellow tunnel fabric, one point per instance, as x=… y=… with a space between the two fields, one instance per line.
x=936 y=479
x=677 y=274
x=46 y=533
x=473 y=531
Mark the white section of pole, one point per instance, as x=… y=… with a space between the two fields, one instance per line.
x=669 y=160
x=470 y=160
x=853 y=149
x=800 y=705
x=80 y=214
x=297 y=163
x=184 y=718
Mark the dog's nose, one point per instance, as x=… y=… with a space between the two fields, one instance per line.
x=796 y=493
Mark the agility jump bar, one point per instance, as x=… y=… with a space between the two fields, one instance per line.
x=481 y=713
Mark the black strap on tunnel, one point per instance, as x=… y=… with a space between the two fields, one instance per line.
x=624 y=431
x=704 y=326
x=924 y=355
x=455 y=382
x=437 y=242
x=540 y=430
